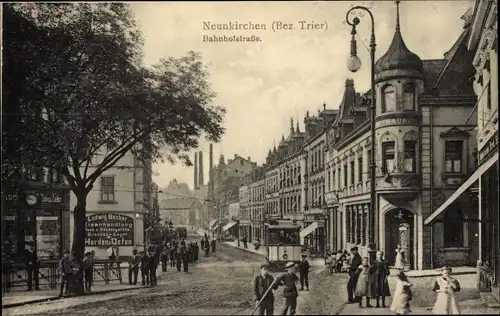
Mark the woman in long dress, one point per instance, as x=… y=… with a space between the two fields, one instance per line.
x=364 y=283
x=446 y=286
x=402 y=295
x=399 y=264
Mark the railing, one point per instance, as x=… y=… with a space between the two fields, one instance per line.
x=485 y=277
x=15 y=275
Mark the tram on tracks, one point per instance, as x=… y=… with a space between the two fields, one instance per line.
x=283 y=244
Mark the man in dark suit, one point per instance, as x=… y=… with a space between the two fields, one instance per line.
x=32 y=267
x=290 y=292
x=304 y=273
x=153 y=265
x=353 y=277
x=261 y=284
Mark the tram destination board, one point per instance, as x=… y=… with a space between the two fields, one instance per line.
x=109 y=230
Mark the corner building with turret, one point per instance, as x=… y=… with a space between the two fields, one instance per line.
x=425 y=147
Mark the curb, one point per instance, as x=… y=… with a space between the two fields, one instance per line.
x=56 y=298
x=243 y=249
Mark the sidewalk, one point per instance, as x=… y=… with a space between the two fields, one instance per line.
x=22 y=297
x=353 y=309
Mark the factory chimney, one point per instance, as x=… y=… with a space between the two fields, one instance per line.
x=195 y=184
x=200 y=169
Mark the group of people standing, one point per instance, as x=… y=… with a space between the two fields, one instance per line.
x=207 y=244
x=264 y=284
x=371 y=282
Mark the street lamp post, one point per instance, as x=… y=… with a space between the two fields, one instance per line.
x=354 y=64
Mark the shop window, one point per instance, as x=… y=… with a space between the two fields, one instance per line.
x=389 y=157
x=48 y=232
x=107 y=188
x=360 y=169
x=410 y=156
x=453 y=221
x=453 y=156
x=409 y=97
x=388 y=99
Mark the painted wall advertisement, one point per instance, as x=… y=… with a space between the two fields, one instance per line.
x=109 y=230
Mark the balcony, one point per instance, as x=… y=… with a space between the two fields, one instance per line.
x=399 y=181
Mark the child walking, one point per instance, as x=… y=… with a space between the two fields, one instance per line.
x=446 y=286
x=364 y=284
x=402 y=295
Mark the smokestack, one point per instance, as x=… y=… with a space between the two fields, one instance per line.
x=200 y=169
x=195 y=172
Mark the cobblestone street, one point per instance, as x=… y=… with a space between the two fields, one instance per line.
x=219 y=284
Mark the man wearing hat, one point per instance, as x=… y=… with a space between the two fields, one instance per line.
x=290 y=292
x=304 y=272
x=353 y=277
x=261 y=284
x=66 y=267
x=133 y=267
x=88 y=270
x=32 y=266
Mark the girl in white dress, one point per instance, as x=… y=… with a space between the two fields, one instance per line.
x=402 y=295
x=446 y=286
x=399 y=264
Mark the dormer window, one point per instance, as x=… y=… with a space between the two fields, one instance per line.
x=388 y=99
x=409 y=97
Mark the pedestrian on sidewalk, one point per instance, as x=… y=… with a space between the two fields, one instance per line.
x=446 y=286
x=164 y=259
x=402 y=295
x=111 y=255
x=173 y=254
x=133 y=267
x=380 y=282
x=66 y=268
x=364 y=283
x=145 y=260
x=399 y=264
x=185 y=258
x=261 y=285
x=213 y=245
x=32 y=267
x=153 y=266
x=353 y=276
x=88 y=270
x=179 y=257
x=304 y=273
x=288 y=280
x=196 y=251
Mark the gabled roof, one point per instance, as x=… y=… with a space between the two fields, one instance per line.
x=454 y=76
x=455 y=132
x=179 y=204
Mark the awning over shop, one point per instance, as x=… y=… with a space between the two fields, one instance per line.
x=228 y=226
x=306 y=231
x=475 y=176
x=212 y=223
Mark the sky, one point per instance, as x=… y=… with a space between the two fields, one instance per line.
x=265 y=84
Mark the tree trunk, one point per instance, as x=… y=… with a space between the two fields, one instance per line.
x=78 y=245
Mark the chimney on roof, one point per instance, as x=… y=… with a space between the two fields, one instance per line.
x=200 y=169
x=221 y=160
x=235 y=155
x=195 y=184
x=248 y=158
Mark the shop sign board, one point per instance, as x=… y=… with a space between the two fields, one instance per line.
x=109 y=229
